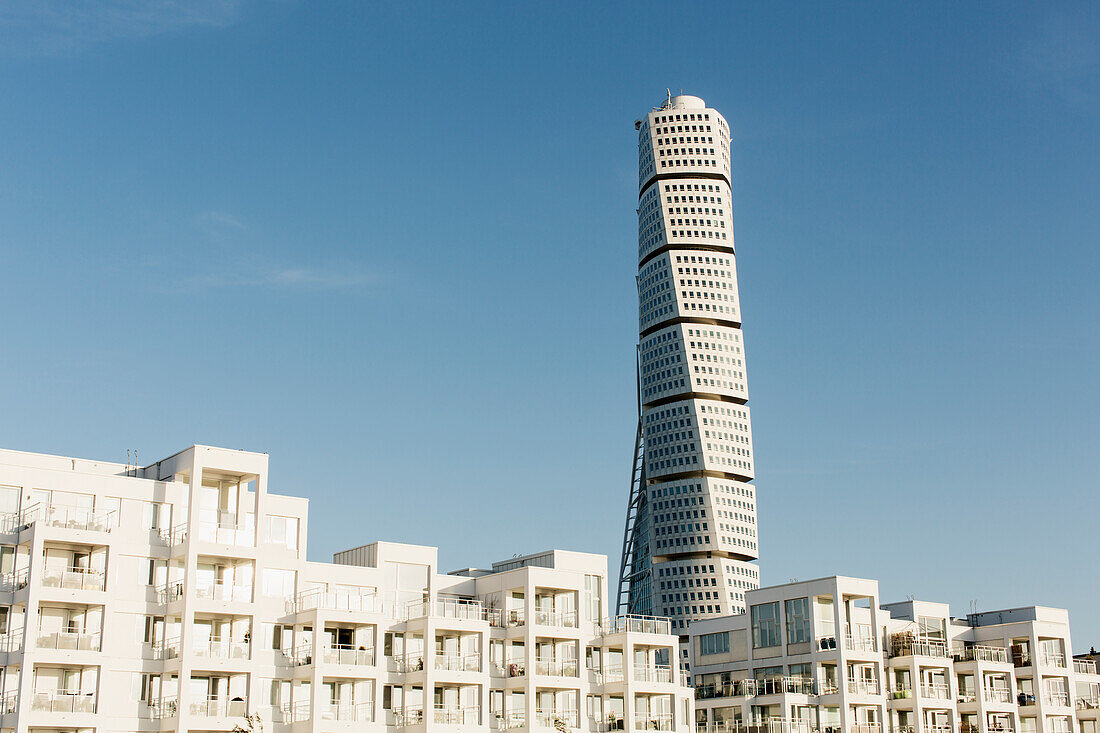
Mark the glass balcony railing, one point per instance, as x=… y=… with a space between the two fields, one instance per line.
x=69 y=517
x=63 y=701
x=220 y=647
x=219 y=707
x=350 y=712
x=444 y=715
x=411 y=662
x=997 y=694
x=9 y=703
x=561 y=619
x=69 y=641
x=558 y=719
x=1053 y=659
x=334 y=601
x=221 y=590
x=1084 y=666
x=653 y=721
x=407 y=716
x=458 y=662
x=636 y=624
x=980 y=654
x=348 y=655
x=74 y=579
x=656 y=673
x=935 y=691
x=166 y=707
x=557 y=667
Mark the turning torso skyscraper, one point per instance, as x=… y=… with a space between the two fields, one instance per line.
x=690 y=538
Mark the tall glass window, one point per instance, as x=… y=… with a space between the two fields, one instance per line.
x=798 y=620
x=765 y=625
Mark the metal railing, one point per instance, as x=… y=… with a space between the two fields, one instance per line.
x=447 y=715
x=18 y=580
x=166 y=707
x=980 y=654
x=220 y=647
x=225 y=531
x=656 y=673
x=556 y=718
x=170 y=591
x=69 y=641
x=509 y=721
x=347 y=654
x=557 y=667
x=918 y=647
x=68 y=517
x=996 y=694
x=1057 y=698
x=458 y=662
x=334 y=601
x=408 y=716
x=1053 y=659
x=12 y=641
x=517 y=668
x=863 y=687
x=173 y=536
x=359 y=712
x=456 y=608
x=9 y=702
x=1084 y=666
x=637 y=624
x=219 y=707
x=411 y=662
x=935 y=690
x=220 y=590
x=508 y=619
x=860 y=643
x=63 y=701
x=1088 y=702
x=653 y=721
x=562 y=619
x=74 y=579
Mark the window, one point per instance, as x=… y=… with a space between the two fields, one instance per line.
x=718 y=643
x=765 y=625
x=931 y=627
x=798 y=620
x=278 y=583
x=156 y=515
x=283 y=531
x=593 y=596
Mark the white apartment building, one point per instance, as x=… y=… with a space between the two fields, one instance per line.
x=824 y=656
x=690 y=541
x=178 y=597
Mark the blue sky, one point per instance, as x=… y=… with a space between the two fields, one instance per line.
x=394 y=246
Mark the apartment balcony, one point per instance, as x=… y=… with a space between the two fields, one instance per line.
x=1084 y=666
x=12 y=582
x=558 y=619
x=769 y=725
x=11 y=642
x=656 y=673
x=935 y=691
x=510 y=721
x=557 y=667
x=863 y=687
x=218 y=707
x=346 y=712
x=654 y=721
x=507 y=619
x=636 y=624
x=69 y=517
x=1059 y=699
x=9 y=703
x=1024 y=699
x=997 y=694
x=938 y=729
x=458 y=662
x=347 y=655
x=408 y=716
x=1053 y=659
x=906 y=646
x=780 y=686
x=1088 y=703
x=446 y=715
x=740 y=688
x=980 y=654
x=333 y=601
x=411 y=662
x=166 y=707
x=220 y=647
x=871 y=728
x=901 y=692
x=826 y=642
x=449 y=608
x=516 y=668
x=609 y=674
x=69 y=641
x=74 y=579
x=558 y=719
x=63 y=701
x=860 y=643
x=220 y=590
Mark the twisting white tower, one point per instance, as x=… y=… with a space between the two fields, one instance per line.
x=691 y=521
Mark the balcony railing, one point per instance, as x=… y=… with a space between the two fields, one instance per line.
x=225 y=531
x=907 y=646
x=458 y=662
x=221 y=647
x=11 y=642
x=457 y=608
x=781 y=686
x=637 y=624
x=653 y=721
x=997 y=694
x=1057 y=698
x=901 y=692
x=508 y=619
x=935 y=691
x=334 y=601
x=863 y=687
x=9 y=702
x=510 y=721
x=767 y=725
x=865 y=728
x=69 y=641
x=657 y=673
x=166 y=707
x=1088 y=702
x=358 y=712
x=739 y=688
x=558 y=718
x=1084 y=666
x=404 y=717
x=446 y=715
x=64 y=701
x=557 y=667
x=74 y=579
x=1053 y=659
x=562 y=619
x=411 y=662
x=517 y=668
x=173 y=536
x=860 y=643
x=18 y=580
x=980 y=654
x=348 y=655
x=221 y=590
x=69 y=517
x=219 y=707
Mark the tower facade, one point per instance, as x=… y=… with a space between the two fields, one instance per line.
x=690 y=537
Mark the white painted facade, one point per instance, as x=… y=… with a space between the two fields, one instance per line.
x=177 y=597
x=693 y=542
x=824 y=656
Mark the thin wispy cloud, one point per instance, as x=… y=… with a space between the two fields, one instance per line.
x=221 y=220
x=58 y=28
x=351 y=278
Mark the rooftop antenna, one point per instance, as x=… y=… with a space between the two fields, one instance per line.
x=135 y=461
x=669 y=103
x=127 y=461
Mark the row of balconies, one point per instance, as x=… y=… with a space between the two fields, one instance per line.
x=782 y=725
